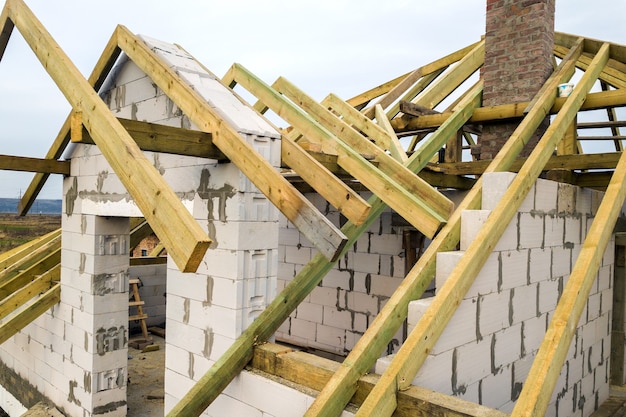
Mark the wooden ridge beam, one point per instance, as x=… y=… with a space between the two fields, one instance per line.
x=410 y=196
x=184 y=238
x=313 y=372
x=41 y=165
x=541 y=380
x=594 y=101
x=167 y=139
x=402 y=371
x=301 y=212
x=30 y=313
x=408 y=204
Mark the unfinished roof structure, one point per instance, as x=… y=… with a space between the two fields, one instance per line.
x=385 y=231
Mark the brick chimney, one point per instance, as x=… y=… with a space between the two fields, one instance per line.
x=518 y=59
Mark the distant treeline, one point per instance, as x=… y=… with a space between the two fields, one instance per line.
x=9 y=205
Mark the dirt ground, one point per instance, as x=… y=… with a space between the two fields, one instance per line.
x=145 y=389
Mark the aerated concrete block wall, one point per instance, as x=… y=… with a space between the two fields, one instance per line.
x=487 y=348
x=337 y=312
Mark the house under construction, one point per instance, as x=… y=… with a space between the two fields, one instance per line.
x=444 y=244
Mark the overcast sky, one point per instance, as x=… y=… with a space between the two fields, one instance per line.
x=341 y=46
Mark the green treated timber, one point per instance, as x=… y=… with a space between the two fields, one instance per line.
x=410 y=206
x=27 y=292
x=337 y=393
x=24 y=277
x=30 y=313
x=31 y=259
x=387 y=164
x=414 y=351
x=210 y=385
x=16 y=254
x=414 y=91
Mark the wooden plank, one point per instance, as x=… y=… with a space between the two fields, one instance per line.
x=353 y=117
x=454 y=77
x=26 y=316
x=547 y=365
x=26 y=164
x=414 y=91
x=34 y=256
x=336 y=192
x=395 y=147
x=167 y=139
x=594 y=101
x=26 y=293
x=340 y=388
x=612 y=115
x=354 y=141
x=16 y=254
x=413 y=205
x=393 y=89
x=301 y=212
x=5 y=34
x=106 y=61
x=178 y=230
x=148 y=260
x=29 y=274
x=613 y=74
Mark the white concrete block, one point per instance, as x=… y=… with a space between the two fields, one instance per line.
x=507 y=345
x=496 y=389
x=593 y=306
x=471 y=223
x=325 y=296
x=548 y=293
x=312 y=312
x=473 y=362
x=495 y=185
x=561 y=261
x=436 y=373
x=566 y=198
x=446 y=262
x=416 y=309
x=262 y=393
x=533 y=332
x=387 y=244
x=523 y=303
x=573 y=228
x=383 y=285
x=554 y=231
x=366 y=262
x=492 y=312
x=363 y=303
x=331 y=336
x=246 y=235
x=531 y=230
x=488 y=279
x=540 y=264
x=333 y=317
x=295 y=255
x=190 y=285
x=546 y=193
x=303 y=329
x=337 y=279
x=514 y=267
x=461 y=328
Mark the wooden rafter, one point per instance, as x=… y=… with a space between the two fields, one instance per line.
x=393 y=185
x=301 y=212
x=401 y=371
x=41 y=165
x=182 y=235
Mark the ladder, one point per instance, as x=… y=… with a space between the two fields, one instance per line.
x=138 y=303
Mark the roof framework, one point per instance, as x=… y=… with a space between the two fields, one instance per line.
x=360 y=139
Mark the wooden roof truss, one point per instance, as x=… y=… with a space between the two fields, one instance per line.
x=360 y=138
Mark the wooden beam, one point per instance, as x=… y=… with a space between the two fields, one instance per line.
x=419 y=205
x=414 y=91
x=23 y=277
x=148 y=260
x=15 y=255
x=25 y=164
x=5 y=34
x=339 y=390
x=335 y=191
x=301 y=212
x=395 y=147
x=182 y=235
x=167 y=139
x=313 y=372
x=21 y=296
x=211 y=384
x=594 y=101
x=569 y=162
x=424 y=195
x=611 y=75
x=24 y=261
x=106 y=61
x=539 y=385
x=30 y=313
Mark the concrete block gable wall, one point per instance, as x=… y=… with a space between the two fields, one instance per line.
x=486 y=351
